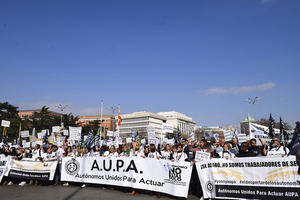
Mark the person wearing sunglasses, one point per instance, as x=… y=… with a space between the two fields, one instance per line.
x=276 y=149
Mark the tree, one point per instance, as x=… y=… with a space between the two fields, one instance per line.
x=10 y=113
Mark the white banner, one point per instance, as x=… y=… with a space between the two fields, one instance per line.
x=5 y=123
x=141 y=173
x=30 y=169
x=75 y=133
x=24 y=134
x=250 y=178
x=3 y=165
x=41 y=135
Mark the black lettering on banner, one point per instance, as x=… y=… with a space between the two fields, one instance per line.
x=257 y=192
x=120 y=163
x=175 y=174
x=132 y=166
x=95 y=165
x=110 y=164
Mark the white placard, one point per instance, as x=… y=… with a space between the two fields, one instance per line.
x=128 y=140
x=5 y=123
x=151 y=132
x=167 y=128
x=44 y=132
x=171 y=141
x=27 y=145
x=39 y=142
x=65 y=132
x=117 y=133
x=75 y=133
x=24 y=134
x=55 y=129
x=33 y=144
x=110 y=133
x=41 y=135
x=200 y=156
x=143 y=141
x=152 y=141
x=59 y=144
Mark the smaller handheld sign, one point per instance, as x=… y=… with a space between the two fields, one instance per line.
x=5 y=123
x=66 y=132
x=200 y=156
x=24 y=134
x=128 y=140
x=117 y=133
x=55 y=129
x=110 y=133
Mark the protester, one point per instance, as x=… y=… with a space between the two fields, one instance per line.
x=179 y=155
x=153 y=153
x=112 y=152
x=276 y=148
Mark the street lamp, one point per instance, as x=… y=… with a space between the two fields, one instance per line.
x=61 y=108
x=253 y=101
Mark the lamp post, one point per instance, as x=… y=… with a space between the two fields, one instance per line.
x=253 y=101
x=61 y=108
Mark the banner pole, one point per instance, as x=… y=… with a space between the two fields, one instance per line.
x=101 y=113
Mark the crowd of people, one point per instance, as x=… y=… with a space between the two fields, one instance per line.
x=185 y=150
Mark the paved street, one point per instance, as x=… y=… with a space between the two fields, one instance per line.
x=51 y=192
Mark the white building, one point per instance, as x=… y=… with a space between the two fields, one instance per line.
x=140 y=121
x=179 y=121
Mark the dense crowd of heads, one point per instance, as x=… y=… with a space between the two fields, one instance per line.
x=185 y=151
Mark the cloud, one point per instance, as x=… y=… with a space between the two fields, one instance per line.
x=240 y=89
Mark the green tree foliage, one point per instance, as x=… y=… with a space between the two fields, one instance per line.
x=10 y=113
x=266 y=122
x=39 y=120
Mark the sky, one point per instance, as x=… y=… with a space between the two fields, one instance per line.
x=200 y=58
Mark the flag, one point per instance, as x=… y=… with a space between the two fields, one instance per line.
x=82 y=141
x=178 y=137
x=216 y=136
x=97 y=140
x=19 y=137
x=89 y=141
x=207 y=134
x=192 y=135
x=295 y=140
x=236 y=134
x=271 y=127
x=119 y=117
x=283 y=133
x=46 y=137
x=134 y=133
